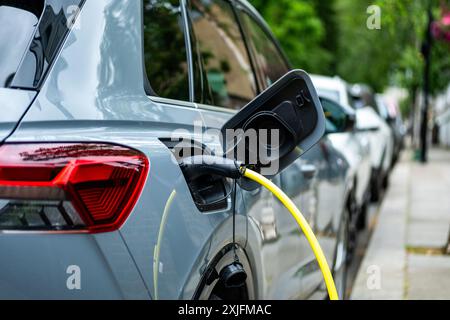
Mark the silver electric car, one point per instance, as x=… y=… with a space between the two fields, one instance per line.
x=96 y=99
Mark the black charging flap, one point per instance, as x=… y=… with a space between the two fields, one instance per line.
x=290 y=106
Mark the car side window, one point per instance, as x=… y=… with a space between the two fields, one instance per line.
x=165 y=54
x=334 y=115
x=229 y=77
x=271 y=65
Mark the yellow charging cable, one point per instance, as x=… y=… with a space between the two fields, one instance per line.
x=277 y=192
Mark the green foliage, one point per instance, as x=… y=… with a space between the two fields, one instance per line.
x=440 y=67
x=406 y=23
x=328 y=15
x=362 y=54
x=331 y=37
x=300 y=30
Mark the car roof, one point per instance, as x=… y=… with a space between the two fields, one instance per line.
x=328 y=82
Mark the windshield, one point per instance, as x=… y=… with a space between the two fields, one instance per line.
x=18 y=21
x=330 y=94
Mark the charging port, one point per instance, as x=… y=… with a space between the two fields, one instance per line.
x=210 y=192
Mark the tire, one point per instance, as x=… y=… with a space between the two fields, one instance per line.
x=353 y=214
x=361 y=222
x=385 y=183
x=376 y=186
x=341 y=261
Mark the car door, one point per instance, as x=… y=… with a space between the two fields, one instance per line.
x=291 y=268
x=184 y=236
x=228 y=82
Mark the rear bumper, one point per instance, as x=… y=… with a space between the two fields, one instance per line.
x=64 y=266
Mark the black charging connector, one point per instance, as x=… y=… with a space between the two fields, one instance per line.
x=197 y=166
x=207 y=177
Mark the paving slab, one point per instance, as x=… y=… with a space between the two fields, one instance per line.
x=428 y=277
x=382 y=271
x=430 y=188
x=428 y=234
x=414 y=214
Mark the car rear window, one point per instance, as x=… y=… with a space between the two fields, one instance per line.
x=18 y=21
x=165 y=54
x=31 y=34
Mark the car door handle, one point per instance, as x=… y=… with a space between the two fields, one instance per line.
x=309 y=171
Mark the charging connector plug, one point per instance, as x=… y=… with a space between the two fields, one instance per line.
x=197 y=166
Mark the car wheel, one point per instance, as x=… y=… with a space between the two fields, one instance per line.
x=341 y=256
x=385 y=183
x=361 y=222
x=376 y=187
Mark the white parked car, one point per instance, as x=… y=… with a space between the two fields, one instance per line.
x=370 y=126
x=354 y=146
x=344 y=136
x=370 y=120
x=333 y=88
x=381 y=137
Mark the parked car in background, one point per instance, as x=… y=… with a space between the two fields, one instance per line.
x=380 y=134
x=370 y=125
x=353 y=144
x=344 y=136
x=391 y=114
x=333 y=88
x=102 y=103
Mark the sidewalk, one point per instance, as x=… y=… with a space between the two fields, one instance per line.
x=406 y=256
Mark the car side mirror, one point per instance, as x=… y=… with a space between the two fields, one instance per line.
x=277 y=127
x=338 y=118
x=367 y=120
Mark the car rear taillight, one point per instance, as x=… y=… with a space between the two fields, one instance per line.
x=76 y=187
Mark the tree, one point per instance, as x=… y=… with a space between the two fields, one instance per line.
x=364 y=55
x=331 y=37
x=328 y=14
x=300 y=30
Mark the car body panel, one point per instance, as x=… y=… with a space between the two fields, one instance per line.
x=392 y=116
x=35 y=266
x=381 y=139
x=356 y=149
